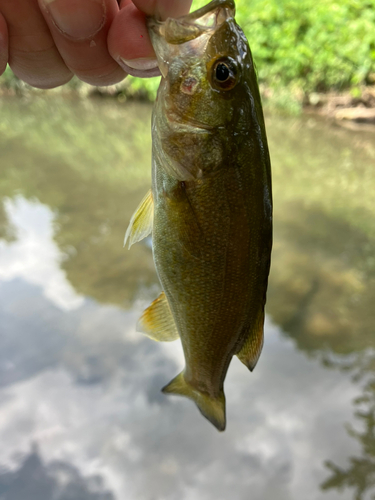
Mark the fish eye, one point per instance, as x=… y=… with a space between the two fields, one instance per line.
x=224 y=74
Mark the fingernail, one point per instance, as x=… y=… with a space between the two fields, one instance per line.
x=143 y=63
x=142 y=67
x=80 y=19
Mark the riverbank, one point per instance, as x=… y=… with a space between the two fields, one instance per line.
x=312 y=56
x=346 y=108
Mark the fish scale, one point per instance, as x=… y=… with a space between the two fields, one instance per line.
x=209 y=208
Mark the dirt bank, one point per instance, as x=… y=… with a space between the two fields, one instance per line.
x=344 y=107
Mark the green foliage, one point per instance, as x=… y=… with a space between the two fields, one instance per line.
x=300 y=46
x=315 y=45
x=304 y=46
x=10 y=81
x=143 y=86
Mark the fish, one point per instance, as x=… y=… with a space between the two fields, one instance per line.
x=209 y=208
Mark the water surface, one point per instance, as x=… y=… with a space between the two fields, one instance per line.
x=81 y=413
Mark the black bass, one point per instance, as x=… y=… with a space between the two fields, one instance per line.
x=210 y=205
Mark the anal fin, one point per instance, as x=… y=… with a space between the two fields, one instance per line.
x=213 y=408
x=157 y=321
x=140 y=224
x=250 y=352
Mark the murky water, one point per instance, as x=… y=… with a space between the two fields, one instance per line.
x=81 y=413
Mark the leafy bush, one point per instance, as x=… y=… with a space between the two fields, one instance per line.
x=301 y=46
x=315 y=45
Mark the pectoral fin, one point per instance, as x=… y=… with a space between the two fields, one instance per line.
x=250 y=352
x=211 y=408
x=157 y=321
x=141 y=222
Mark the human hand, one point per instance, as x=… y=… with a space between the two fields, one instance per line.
x=46 y=42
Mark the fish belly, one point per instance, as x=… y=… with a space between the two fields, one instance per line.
x=207 y=240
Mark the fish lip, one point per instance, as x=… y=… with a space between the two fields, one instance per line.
x=190 y=123
x=188 y=26
x=170 y=37
x=215 y=4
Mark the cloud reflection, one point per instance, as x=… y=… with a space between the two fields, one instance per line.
x=34 y=256
x=97 y=406
x=76 y=379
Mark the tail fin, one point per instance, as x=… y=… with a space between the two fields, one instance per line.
x=211 y=408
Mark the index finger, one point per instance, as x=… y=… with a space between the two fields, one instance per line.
x=128 y=40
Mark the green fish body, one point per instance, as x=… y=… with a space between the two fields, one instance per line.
x=210 y=206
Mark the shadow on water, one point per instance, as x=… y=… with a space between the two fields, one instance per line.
x=322 y=289
x=323 y=284
x=6 y=230
x=91 y=174
x=91 y=198
x=58 y=480
x=360 y=474
x=324 y=300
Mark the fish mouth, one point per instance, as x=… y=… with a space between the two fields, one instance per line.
x=195 y=24
x=194 y=125
x=170 y=38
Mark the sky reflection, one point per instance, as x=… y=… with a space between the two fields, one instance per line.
x=81 y=412
x=84 y=387
x=34 y=255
